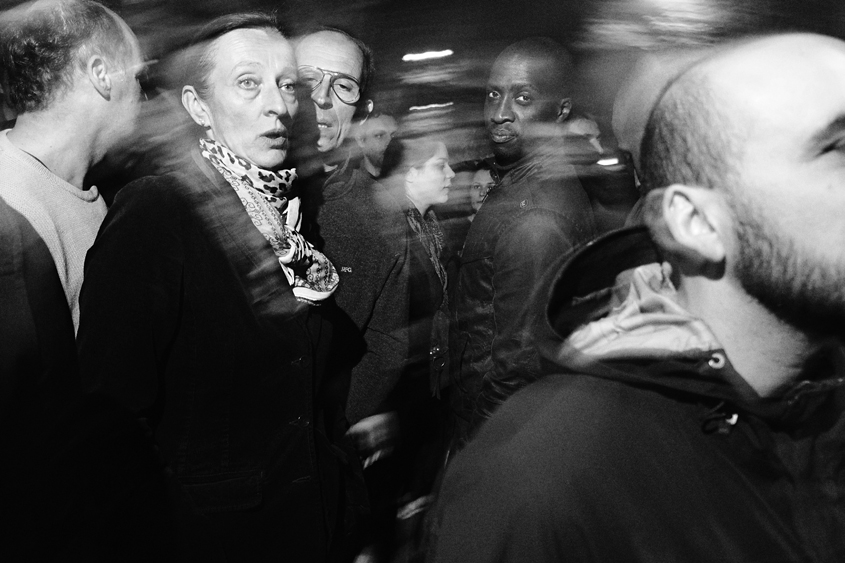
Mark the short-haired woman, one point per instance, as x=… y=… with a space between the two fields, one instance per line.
x=202 y=312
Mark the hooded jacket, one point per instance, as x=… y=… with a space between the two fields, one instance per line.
x=647 y=445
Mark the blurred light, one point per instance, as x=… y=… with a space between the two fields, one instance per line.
x=608 y=161
x=427 y=55
x=430 y=106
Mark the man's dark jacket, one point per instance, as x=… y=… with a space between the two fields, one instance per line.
x=362 y=231
x=535 y=214
x=36 y=330
x=81 y=477
x=643 y=459
x=188 y=319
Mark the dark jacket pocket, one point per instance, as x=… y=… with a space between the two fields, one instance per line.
x=224 y=492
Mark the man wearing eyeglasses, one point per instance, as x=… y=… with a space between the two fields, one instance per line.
x=363 y=238
x=353 y=228
x=335 y=68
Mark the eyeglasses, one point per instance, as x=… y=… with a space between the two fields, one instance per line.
x=344 y=86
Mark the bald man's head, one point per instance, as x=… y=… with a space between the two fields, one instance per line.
x=750 y=144
x=690 y=138
x=527 y=97
x=553 y=62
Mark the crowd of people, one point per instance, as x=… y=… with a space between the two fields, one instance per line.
x=279 y=341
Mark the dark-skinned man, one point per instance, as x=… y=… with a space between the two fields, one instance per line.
x=536 y=212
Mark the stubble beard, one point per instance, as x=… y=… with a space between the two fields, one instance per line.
x=794 y=283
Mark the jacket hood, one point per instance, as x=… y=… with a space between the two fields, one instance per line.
x=616 y=312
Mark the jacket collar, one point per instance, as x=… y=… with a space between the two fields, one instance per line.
x=551 y=159
x=584 y=292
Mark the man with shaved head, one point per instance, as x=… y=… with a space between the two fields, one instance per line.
x=699 y=411
x=535 y=213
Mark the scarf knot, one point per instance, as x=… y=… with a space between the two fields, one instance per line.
x=268 y=198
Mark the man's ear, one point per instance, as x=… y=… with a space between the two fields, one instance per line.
x=563 y=110
x=97 y=70
x=688 y=224
x=196 y=108
x=358 y=133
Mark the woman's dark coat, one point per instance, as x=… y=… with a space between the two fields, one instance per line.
x=188 y=319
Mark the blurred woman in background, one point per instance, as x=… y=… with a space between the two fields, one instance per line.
x=418 y=176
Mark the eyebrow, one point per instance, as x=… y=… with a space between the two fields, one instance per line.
x=821 y=139
x=247 y=64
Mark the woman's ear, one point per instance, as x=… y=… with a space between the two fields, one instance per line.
x=411 y=175
x=196 y=107
x=688 y=223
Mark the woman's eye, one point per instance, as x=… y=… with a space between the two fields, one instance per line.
x=288 y=87
x=248 y=83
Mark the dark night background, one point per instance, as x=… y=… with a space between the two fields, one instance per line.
x=608 y=39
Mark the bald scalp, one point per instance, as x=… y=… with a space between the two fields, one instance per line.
x=546 y=54
x=692 y=137
x=698 y=129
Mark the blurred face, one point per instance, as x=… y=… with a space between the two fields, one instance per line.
x=253 y=95
x=789 y=204
x=482 y=182
x=320 y=54
x=428 y=184
x=521 y=109
x=126 y=91
x=375 y=136
x=589 y=130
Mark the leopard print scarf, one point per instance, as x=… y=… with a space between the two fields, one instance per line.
x=265 y=195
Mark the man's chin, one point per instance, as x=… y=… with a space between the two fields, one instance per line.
x=506 y=153
x=327 y=142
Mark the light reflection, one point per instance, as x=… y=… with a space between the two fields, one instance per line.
x=412 y=57
x=431 y=106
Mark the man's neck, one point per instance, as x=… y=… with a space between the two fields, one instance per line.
x=371 y=168
x=333 y=158
x=768 y=353
x=56 y=143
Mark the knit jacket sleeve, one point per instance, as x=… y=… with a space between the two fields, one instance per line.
x=386 y=337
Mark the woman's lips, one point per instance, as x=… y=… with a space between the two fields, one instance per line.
x=278 y=138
